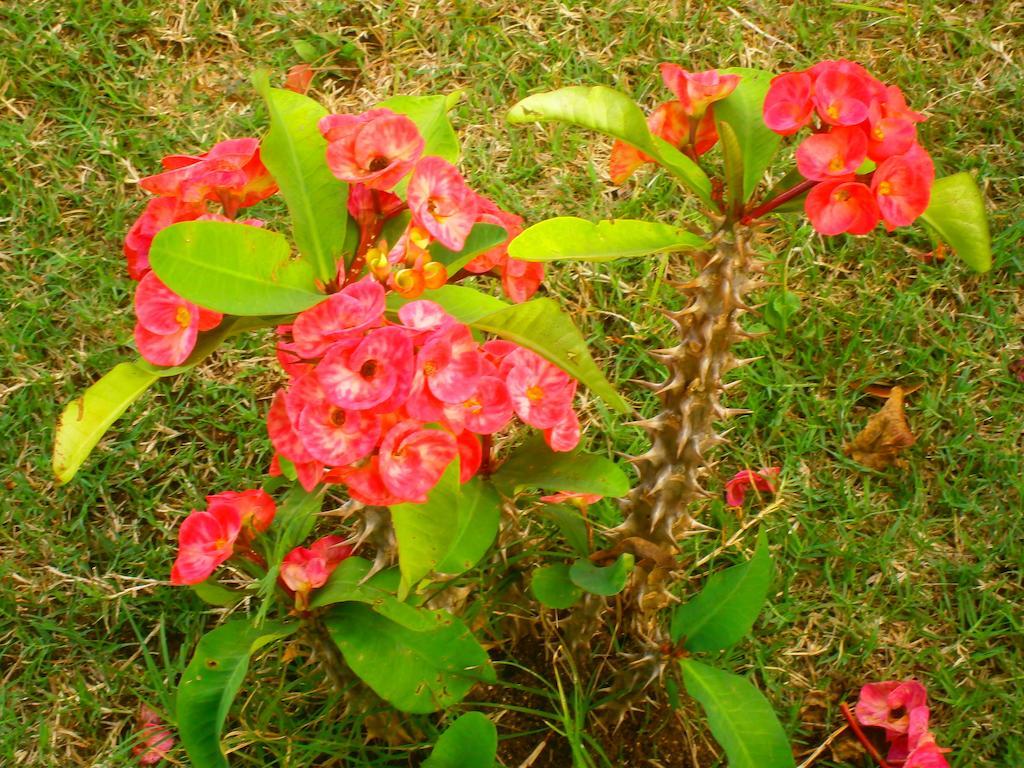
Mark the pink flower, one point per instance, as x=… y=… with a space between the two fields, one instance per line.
x=902 y=744
x=541 y=393
x=380 y=368
x=737 y=487
x=834 y=207
x=376 y=148
x=450 y=364
x=167 y=325
x=412 y=459
x=888 y=705
x=424 y=315
x=304 y=570
x=366 y=485
x=836 y=154
x=230 y=173
x=842 y=92
x=565 y=435
x=520 y=279
x=788 y=106
x=255 y=507
x=205 y=540
x=927 y=755
x=580 y=499
x=471 y=454
x=486 y=411
x=888 y=136
x=441 y=202
x=697 y=90
x=902 y=186
x=336 y=436
x=160 y=212
x=343 y=315
x=156 y=739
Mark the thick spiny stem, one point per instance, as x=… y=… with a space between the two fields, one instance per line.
x=683 y=433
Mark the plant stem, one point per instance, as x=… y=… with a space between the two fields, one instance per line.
x=775 y=202
x=327 y=653
x=671 y=472
x=861 y=736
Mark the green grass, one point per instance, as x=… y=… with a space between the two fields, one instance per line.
x=913 y=571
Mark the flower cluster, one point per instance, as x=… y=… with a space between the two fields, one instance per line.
x=375 y=150
x=230 y=174
x=855 y=118
x=228 y=525
x=384 y=407
x=901 y=710
x=687 y=122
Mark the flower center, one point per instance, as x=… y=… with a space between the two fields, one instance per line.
x=336 y=417
x=535 y=393
x=183 y=317
x=429 y=368
x=833 y=111
x=369 y=369
x=836 y=164
x=378 y=164
x=473 y=405
x=841 y=196
x=885 y=188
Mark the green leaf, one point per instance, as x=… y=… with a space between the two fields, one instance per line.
x=294 y=152
x=553 y=587
x=613 y=113
x=465 y=304
x=780 y=308
x=606 y=581
x=469 y=742
x=541 y=325
x=415 y=671
x=739 y=716
x=571 y=525
x=481 y=238
x=430 y=113
x=568 y=237
x=723 y=612
x=87 y=418
x=479 y=512
x=732 y=157
x=212 y=593
x=426 y=532
x=957 y=214
x=349 y=583
x=209 y=684
x=743 y=111
x=233 y=268
x=535 y=465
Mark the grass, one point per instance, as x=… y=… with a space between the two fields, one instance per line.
x=913 y=571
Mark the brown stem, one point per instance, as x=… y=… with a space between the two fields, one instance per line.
x=861 y=736
x=327 y=653
x=682 y=434
x=485 y=461
x=775 y=202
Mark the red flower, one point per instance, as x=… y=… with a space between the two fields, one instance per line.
x=230 y=173
x=697 y=90
x=377 y=148
x=837 y=206
x=156 y=739
x=737 y=487
x=205 y=540
x=412 y=459
x=304 y=570
x=255 y=507
x=541 y=393
x=842 y=92
x=486 y=411
x=167 y=325
x=788 y=106
x=343 y=315
x=378 y=370
x=836 y=154
x=520 y=279
x=441 y=202
x=888 y=705
x=887 y=135
x=902 y=186
x=668 y=121
x=336 y=436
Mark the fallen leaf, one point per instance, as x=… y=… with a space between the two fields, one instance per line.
x=886 y=434
x=882 y=391
x=299 y=77
x=1016 y=368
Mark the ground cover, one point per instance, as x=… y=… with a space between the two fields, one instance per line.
x=913 y=571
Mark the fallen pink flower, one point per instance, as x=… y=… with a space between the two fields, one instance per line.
x=737 y=487
x=888 y=704
x=156 y=739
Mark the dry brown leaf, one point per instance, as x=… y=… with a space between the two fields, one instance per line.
x=884 y=391
x=887 y=433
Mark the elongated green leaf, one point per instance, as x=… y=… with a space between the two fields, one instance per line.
x=430 y=113
x=732 y=157
x=461 y=302
x=553 y=587
x=481 y=238
x=574 y=239
x=534 y=465
x=426 y=532
x=606 y=581
x=614 y=114
x=739 y=716
x=541 y=325
x=349 y=583
x=415 y=671
x=211 y=681
x=212 y=593
x=469 y=742
x=725 y=610
x=233 y=268
x=479 y=514
x=956 y=213
x=294 y=152
x=87 y=418
x=743 y=111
